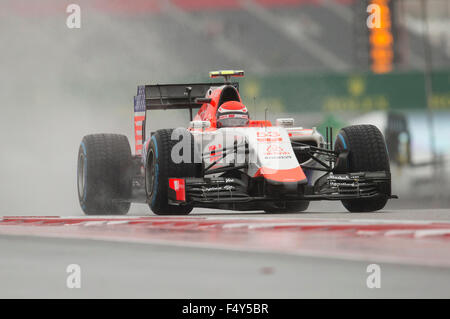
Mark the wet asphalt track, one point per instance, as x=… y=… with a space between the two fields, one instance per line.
x=36 y=267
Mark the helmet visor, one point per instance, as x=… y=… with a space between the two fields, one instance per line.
x=232 y=121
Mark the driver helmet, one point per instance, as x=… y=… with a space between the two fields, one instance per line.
x=232 y=114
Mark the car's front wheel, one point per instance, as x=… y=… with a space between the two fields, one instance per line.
x=160 y=167
x=367 y=152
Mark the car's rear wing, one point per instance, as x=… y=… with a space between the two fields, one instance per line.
x=172 y=96
x=167 y=97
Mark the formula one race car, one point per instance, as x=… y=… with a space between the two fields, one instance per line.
x=225 y=160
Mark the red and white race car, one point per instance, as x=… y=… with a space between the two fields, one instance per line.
x=225 y=160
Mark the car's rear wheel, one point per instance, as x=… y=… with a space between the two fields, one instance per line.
x=160 y=167
x=104 y=174
x=367 y=152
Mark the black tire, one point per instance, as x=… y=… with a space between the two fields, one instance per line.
x=104 y=174
x=160 y=167
x=287 y=207
x=367 y=152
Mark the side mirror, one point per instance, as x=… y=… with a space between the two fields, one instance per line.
x=286 y=122
x=202 y=100
x=200 y=124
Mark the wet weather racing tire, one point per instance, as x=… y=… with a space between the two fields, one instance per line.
x=287 y=207
x=160 y=167
x=104 y=180
x=367 y=152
